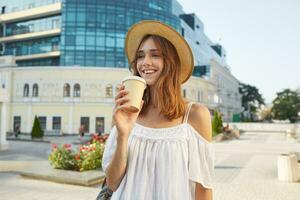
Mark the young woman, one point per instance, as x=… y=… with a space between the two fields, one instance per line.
x=162 y=152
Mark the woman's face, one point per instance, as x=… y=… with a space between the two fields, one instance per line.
x=149 y=61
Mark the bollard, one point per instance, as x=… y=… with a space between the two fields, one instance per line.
x=287 y=168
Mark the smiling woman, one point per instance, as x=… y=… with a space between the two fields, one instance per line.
x=163 y=151
x=156 y=60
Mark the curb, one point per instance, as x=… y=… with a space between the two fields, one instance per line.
x=28 y=140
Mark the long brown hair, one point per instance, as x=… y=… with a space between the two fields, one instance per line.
x=171 y=103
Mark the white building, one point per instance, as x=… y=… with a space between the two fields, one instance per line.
x=211 y=65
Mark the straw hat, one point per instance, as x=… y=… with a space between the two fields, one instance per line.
x=150 y=27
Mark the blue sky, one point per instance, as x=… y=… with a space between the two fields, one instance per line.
x=261 y=38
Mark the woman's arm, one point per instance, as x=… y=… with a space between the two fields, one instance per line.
x=201 y=122
x=202 y=193
x=117 y=167
x=124 y=122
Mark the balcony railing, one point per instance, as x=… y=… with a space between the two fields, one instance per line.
x=22 y=6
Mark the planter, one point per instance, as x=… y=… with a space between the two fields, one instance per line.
x=288 y=168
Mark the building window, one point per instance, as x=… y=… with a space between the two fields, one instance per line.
x=30 y=28
x=3 y=9
x=35 y=90
x=56 y=123
x=109 y=90
x=99 y=125
x=43 y=45
x=17 y=123
x=76 y=90
x=43 y=122
x=26 y=90
x=85 y=122
x=67 y=90
x=55 y=23
x=182 y=32
x=55 y=46
x=31 y=5
x=1 y=45
x=216 y=98
x=14 y=9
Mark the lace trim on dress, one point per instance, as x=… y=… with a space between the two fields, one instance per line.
x=177 y=132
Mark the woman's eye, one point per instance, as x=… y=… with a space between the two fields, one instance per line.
x=140 y=56
x=156 y=55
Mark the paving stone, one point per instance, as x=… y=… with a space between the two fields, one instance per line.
x=246 y=169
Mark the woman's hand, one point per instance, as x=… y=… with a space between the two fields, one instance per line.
x=124 y=120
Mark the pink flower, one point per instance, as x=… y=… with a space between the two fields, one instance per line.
x=67 y=146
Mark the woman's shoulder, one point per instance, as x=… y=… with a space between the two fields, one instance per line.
x=199 y=118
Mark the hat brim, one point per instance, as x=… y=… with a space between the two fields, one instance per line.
x=150 y=27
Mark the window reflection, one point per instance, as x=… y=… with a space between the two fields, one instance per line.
x=109 y=90
x=26 y=90
x=44 y=45
x=35 y=90
x=76 y=90
x=67 y=90
x=31 y=26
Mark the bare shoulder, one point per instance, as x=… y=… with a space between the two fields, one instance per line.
x=200 y=119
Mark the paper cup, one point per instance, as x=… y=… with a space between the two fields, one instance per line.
x=136 y=86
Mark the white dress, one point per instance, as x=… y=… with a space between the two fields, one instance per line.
x=163 y=163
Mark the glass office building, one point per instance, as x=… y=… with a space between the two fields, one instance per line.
x=83 y=43
x=74 y=32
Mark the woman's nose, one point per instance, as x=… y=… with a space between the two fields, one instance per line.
x=147 y=60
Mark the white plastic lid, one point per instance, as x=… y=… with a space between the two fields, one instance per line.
x=135 y=78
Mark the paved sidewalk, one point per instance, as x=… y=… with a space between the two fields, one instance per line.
x=26 y=154
x=245 y=169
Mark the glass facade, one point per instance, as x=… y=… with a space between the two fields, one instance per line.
x=94 y=30
x=28 y=47
x=10 y=6
x=32 y=26
x=200 y=71
x=39 y=62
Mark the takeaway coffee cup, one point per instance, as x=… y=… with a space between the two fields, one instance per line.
x=136 y=86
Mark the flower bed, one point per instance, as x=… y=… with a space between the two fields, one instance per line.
x=88 y=156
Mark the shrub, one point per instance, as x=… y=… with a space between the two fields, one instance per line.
x=217 y=123
x=63 y=157
x=89 y=156
x=37 y=131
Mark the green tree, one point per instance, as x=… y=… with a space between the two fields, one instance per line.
x=287 y=105
x=251 y=101
x=217 y=123
x=37 y=131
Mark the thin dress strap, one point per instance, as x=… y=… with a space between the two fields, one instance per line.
x=186 y=116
